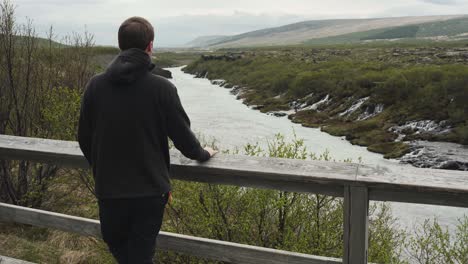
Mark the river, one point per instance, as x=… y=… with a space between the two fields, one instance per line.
x=215 y=113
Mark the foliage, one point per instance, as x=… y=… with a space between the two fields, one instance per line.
x=432 y=243
x=61 y=112
x=304 y=223
x=39 y=97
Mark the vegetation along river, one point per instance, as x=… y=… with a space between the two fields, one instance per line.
x=216 y=114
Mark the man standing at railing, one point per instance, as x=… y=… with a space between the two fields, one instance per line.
x=127 y=115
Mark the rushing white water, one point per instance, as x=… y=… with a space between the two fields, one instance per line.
x=355 y=106
x=368 y=114
x=215 y=113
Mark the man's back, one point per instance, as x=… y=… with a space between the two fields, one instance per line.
x=127 y=115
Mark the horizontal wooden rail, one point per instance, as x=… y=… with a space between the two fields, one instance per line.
x=396 y=184
x=357 y=183
x=195 y=246
x=7 y=260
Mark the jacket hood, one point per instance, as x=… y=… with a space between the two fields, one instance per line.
x=128 y=66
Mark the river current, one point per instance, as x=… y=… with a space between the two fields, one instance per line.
x=216 y=114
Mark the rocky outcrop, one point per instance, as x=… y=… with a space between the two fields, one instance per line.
x=219 y=82
x=421 y=127
x=371 y=111
x=437 y=155
x=226 y=57
x=278 y=114
x=162 y=72
x=354 y=107
x=315 y=106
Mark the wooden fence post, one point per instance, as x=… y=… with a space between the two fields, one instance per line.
x=356 y=224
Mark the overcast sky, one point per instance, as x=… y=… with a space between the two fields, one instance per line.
x=180 y=21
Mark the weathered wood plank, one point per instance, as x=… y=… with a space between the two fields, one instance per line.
x=415 y=185
x=399 y=184
x=282 y=174
x=356 y=225
x=7 y=260
x=195 y=246
x=64 y=153
x=424 y=196
x=41 y=218
x=236 y=253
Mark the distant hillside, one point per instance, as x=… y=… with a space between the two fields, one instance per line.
x=41 y=42
x=395 y=33
x=349 y=30
x=205 y=41
x=453 y=29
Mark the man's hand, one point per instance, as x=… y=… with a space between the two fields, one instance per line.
x=211 y=151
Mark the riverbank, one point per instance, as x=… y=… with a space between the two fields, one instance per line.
x=363 y=102
x=419 y=153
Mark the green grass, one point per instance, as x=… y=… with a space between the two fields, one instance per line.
x=173 y=59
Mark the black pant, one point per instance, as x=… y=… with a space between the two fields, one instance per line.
x=130 y=226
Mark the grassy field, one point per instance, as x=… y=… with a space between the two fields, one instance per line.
x=174 y=59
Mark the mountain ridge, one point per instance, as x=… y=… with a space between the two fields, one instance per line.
x=308 y=31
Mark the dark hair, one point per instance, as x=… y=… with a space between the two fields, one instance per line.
x=135 y=32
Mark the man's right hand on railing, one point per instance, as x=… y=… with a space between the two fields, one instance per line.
x=211 y=151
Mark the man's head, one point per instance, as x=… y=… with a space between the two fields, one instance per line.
x=136 y=32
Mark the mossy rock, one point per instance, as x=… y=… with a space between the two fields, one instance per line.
x=391 y=150
x=311 y=117
x=371 y=137
x=276 y=107
x=311 y=125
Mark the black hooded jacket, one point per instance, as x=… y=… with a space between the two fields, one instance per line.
x=127 y=115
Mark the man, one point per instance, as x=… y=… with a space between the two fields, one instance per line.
x=127 y=115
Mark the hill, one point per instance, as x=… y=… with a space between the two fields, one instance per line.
x=40 y=42
x=205 y=41
x=453 y=29
x=339 y=31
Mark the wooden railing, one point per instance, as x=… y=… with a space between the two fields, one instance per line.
x=356 y=183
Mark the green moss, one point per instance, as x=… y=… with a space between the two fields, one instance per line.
x=363 y=133
x=375 y=136
x=462 y=134
x=391 y=150
x=274 y=107
x=310 y=118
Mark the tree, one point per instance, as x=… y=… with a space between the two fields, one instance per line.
x=33 y=72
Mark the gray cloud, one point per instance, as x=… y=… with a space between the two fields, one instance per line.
x=442 y=2
x=58 y=2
